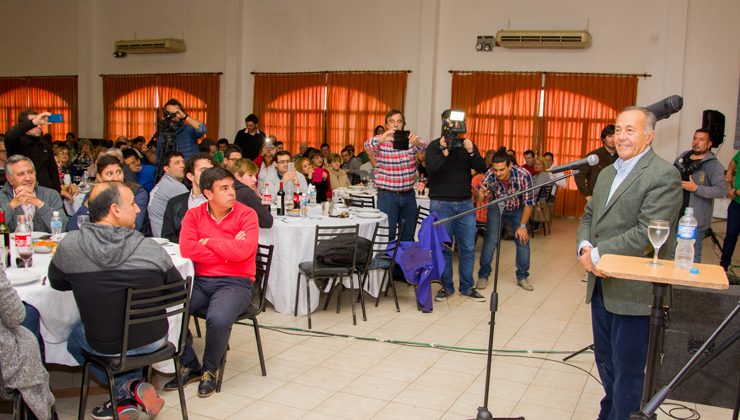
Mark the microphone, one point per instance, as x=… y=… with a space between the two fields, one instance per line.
x=666 y=107
x=590 y=160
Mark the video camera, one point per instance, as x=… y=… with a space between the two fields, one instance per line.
x=453 y=124
x=687 y=166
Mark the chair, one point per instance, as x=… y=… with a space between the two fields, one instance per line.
x=263 y=264
x=361 y=201
x=421 y=214
x=328 y=237
x=144 y=306
x=544 y=195
x=382 y=257
x=10 y=394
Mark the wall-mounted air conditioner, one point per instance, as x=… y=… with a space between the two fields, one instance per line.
x=150 y=46
x=543 y=39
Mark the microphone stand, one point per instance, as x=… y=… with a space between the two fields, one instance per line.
x=483 y=412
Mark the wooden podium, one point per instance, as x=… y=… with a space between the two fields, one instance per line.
x=637 y=269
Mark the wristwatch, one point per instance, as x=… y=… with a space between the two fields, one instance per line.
x=522 y=226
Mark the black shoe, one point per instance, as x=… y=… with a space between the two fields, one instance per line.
x=207 y=384
x=442 y=295
x=188 y=377
x=127 y=410
x=473 y=294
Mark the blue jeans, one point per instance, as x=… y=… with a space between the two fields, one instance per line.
x=32 y=322
x=620 y=350
x=733 y=229
x=491 y=240
x=697 y=245
x=77 y=342
x=224 y=298
x=399 y=206
x=463 y=232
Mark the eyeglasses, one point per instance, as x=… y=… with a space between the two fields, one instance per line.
x=283 y=162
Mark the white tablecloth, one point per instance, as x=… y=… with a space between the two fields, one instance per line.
x=58 y=310
x=421 y=200
x=294 y=238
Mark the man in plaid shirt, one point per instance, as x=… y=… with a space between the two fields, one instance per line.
x=395 y=175
x=501 y=180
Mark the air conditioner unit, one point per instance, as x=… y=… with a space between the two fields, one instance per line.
x=543 y=39
x=150 y=46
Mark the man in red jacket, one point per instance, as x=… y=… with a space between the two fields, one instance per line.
x=220 y=237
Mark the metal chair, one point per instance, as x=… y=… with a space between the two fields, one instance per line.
x=421 y=214
x=382 y=257
x=144 y=306
x=328 y=237
x=361 y=201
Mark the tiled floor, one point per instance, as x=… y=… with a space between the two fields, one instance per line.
x=348 y=378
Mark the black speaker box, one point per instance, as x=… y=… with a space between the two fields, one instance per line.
x=714 y=122
x=695 y=314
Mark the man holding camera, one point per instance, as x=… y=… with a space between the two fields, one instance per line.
x=703 y=180
x=395 y=173
x=449 y=160
x=187 y=130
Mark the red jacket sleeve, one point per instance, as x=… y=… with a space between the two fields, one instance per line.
x=189 y=245
x=238 y=250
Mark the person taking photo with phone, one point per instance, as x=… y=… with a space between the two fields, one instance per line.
x=25 y=138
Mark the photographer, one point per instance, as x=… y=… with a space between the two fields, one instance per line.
x=703 y=180
x=182 y=129
x=449 y=160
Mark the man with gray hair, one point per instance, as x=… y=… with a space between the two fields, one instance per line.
x=22 y=195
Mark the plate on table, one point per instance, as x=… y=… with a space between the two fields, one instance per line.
x=20 y=277
x=161 y=241
x=369 y=214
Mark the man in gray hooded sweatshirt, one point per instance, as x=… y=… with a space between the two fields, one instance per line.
x=99 y=263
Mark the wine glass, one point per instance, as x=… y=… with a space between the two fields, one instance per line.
x=657 y=233
x=82 y=219
x=25 y=252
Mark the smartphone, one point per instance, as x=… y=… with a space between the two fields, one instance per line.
x=56 y=118
x=291 y=166
x=318 y=175
x=401 y=139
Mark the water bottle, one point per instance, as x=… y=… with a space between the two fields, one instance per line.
x=56 y=227
x=686 y=237
x=312 y=194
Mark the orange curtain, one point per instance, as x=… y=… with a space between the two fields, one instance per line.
x=576 y=108
x=357 y=101
x=55 y=94
x=291 y=107
x=129 y=105
x=198 y=94
x=500 y=108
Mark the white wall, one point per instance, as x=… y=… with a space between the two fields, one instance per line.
x=691 y=47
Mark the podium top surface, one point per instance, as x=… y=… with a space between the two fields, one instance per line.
x=636 y=268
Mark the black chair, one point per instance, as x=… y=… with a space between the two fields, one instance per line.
x=263 y=262
x=382 y=257
x=144 y=306
x=421 y=214
x=544 y=195
x=361 y=201
x=328 y=237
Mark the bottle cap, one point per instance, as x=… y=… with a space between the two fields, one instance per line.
x=693 y=270
x=55 y=213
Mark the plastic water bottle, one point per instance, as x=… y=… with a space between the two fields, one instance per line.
x=312 y=195
x=56 y=227
x=686 y=238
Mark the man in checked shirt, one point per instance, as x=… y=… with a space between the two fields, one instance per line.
x=504 y=179
x=395 y=175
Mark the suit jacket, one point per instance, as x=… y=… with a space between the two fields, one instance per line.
x=652 y=190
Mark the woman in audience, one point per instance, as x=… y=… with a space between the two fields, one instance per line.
x=245 y=172
x=337 y=177
x=267 y=168
x=379 y=129
x=303 y=167
x=20 y=359
x=319 y=176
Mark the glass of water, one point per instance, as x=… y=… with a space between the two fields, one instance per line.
x=657 y=233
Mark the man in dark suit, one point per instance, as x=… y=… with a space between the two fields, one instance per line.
x=607 y=153
x=639 y=187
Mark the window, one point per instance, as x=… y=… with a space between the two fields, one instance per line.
x=55 y=94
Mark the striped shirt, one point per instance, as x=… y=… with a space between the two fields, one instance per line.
x=395 y=170
x=519 y=180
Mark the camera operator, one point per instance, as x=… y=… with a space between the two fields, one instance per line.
x=703 y=180
x=449 y=160
x=183 y=129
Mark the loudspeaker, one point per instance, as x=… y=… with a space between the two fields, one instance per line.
x=694 y=315
x=714 y=122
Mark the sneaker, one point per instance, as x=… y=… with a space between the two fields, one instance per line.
x=525 y=284
x=146 y=395
x=442 y=295
x=481 y=283
x=473 y=294
x=127 y=410
x=188 y=377
x=207 y=384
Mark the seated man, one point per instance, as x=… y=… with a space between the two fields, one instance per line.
x=179 y=205
x=291 y=180
x=23 y=195
x=168 y=187
x=110 y=168
x=98 y=263
x=220 y=238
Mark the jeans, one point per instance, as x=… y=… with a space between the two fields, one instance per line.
x=225 y=298
x=32 y=322
x=463 y=232
x=620 y=350
x=733 y=229
x=492 y=237
x=77 y=342
x=697 y=245
x=399 y=206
